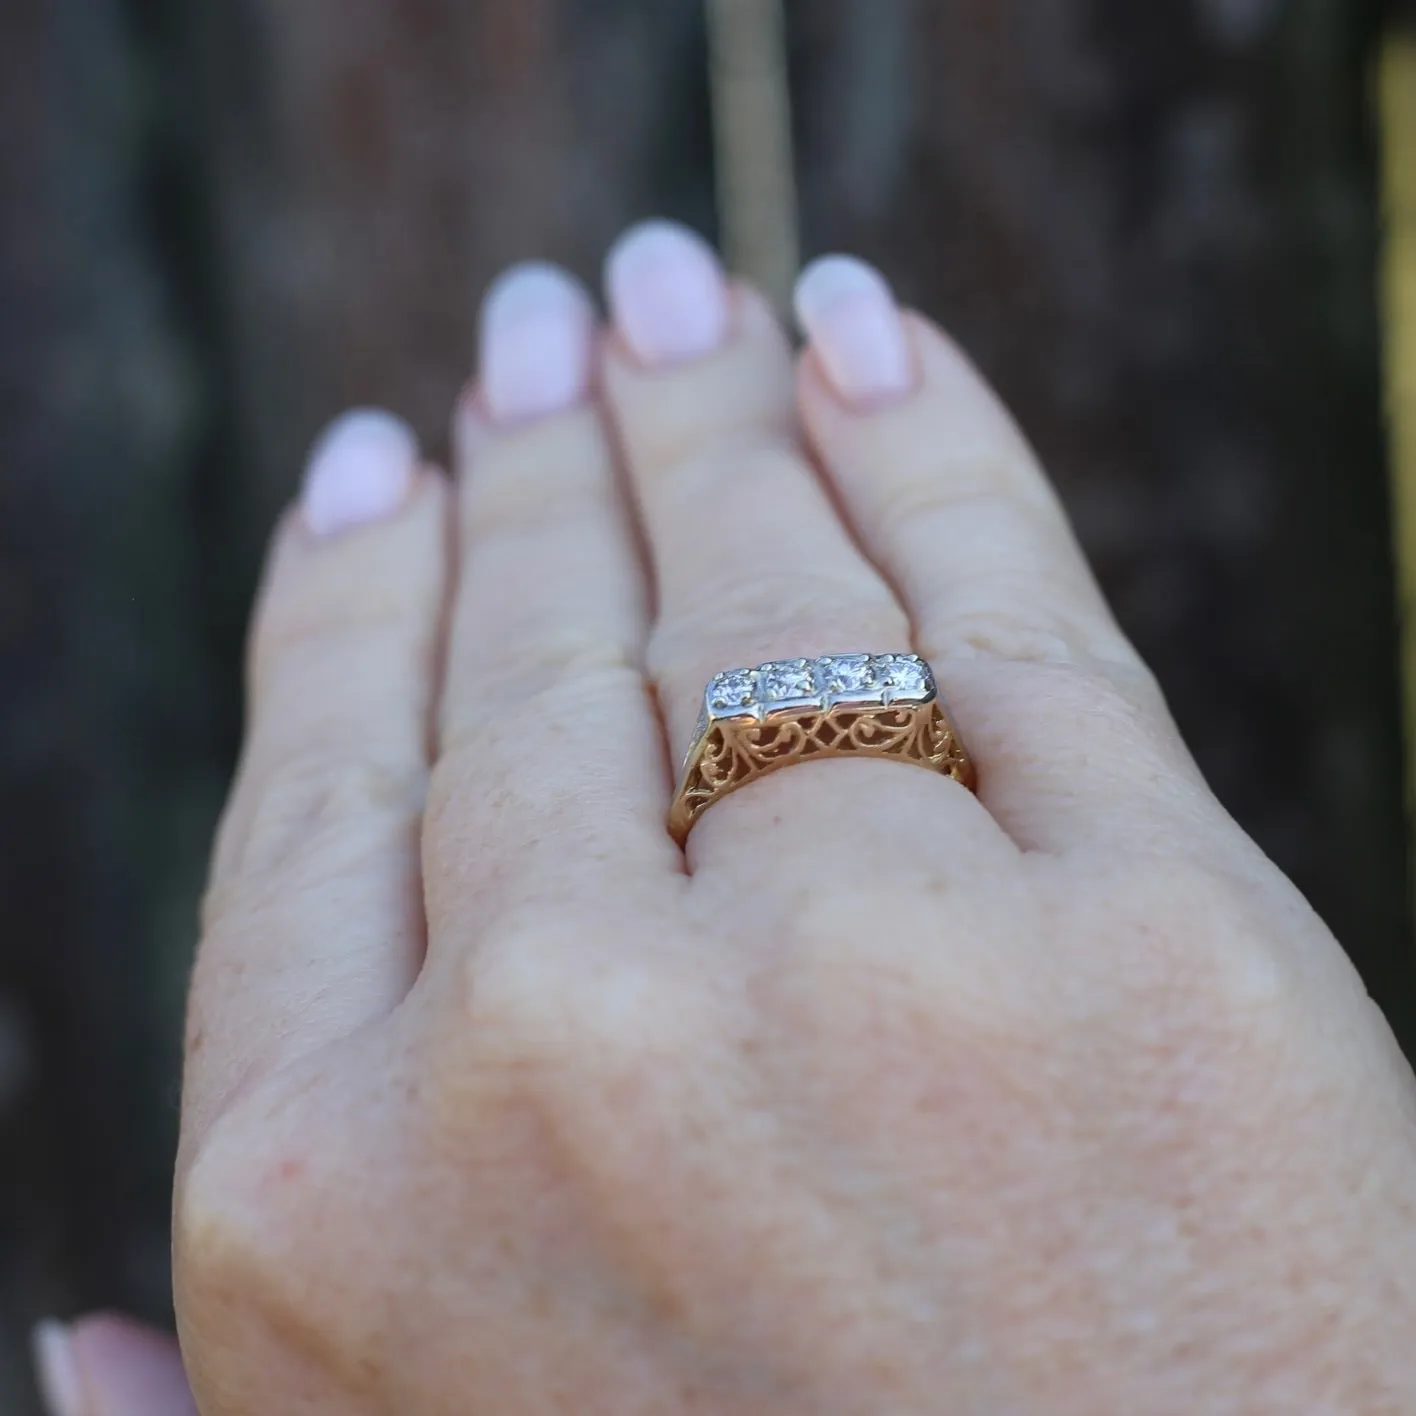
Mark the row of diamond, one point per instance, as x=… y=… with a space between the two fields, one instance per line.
x=850 y=678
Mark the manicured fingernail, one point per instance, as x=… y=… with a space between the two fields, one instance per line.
x=538 y=329
x=57 y=1370
x=359 y=471
x=129 y=1369
x=849 y=314
x=668 y=294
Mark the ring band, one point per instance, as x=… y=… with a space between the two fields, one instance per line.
x=756 y=721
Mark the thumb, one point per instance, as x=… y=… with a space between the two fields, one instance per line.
x=106 y=1365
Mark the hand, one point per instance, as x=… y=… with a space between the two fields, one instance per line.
x=886 y=1098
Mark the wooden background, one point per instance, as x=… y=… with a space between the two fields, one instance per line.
x=223 y=220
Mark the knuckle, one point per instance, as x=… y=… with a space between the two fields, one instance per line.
x=1205 y=951
x=520 y=479
x=679 y=423
x=277 y=1255
x=832 y=955
x=982 y=489
x=1200 y=1014
x=1016 y=626
x=1018 y=619
x=952 y=1021
x=1095 y=704
x=1016 y=585
x=233 y=1232
x=303 y=804
x=312 y=634
x=741 y=462
x=586 y=1075
x=556 y=665
x=1130 y=705
x=511 y=508
x=587 y=1041
x=1176 y=986
x=1011 y=600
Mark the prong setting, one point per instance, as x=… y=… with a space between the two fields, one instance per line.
x=758 y=721
x=794 y=685
x=908 y=679
x=733 y=694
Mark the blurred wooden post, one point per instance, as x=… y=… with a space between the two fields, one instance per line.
x=1398 y=104
x=753 y=122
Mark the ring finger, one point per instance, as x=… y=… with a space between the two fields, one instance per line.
x=752 y=562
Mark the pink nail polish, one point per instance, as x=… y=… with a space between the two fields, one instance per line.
x=668 y=293
x=849 y=313
x=130 y=1370
x=359 y=471
x=538 y=328
x=57 y=1370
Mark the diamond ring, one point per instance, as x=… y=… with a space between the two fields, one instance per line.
x=756 y=721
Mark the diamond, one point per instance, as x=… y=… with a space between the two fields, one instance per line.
x=849 y=673
x=732 y=690
x=788 y=680
x=909 y=677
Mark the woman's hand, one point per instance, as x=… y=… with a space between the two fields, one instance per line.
x=887 y=1098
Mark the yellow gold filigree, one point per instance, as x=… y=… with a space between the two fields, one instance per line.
x=732 y=753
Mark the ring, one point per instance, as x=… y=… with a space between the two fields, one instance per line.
x=756 y=721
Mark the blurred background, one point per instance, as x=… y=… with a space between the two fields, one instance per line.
x=1157 y=226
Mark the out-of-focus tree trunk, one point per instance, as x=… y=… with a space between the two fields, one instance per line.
x=103 y=762
x=1153 y=225
x=374 y=165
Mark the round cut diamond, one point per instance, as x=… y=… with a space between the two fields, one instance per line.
x=908 y=678
x=732 y=690
x=849 y=673
x=790 y=679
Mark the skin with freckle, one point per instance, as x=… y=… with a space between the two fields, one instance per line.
x=883 y=1097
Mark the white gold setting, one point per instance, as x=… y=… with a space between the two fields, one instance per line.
x=879 y=680
x=758 y=721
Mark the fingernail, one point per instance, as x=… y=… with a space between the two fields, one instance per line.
x=129 y=1369
x=668 y=294
x=57 y=1370
x=537 y=333
x=359 y=471
x=848 y=312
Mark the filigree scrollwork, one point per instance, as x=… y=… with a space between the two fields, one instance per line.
x=734 y=752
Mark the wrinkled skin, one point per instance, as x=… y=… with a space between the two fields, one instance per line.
x=883 y=1097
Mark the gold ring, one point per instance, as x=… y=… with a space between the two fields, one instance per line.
x=756 y=721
